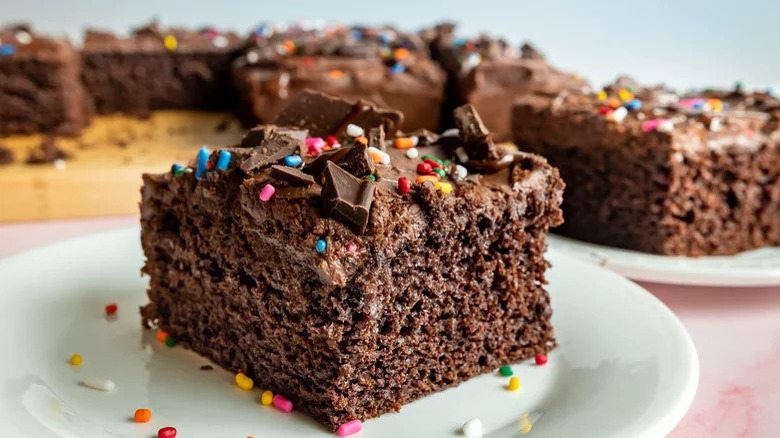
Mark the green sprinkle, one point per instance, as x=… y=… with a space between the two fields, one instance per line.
x=631 y=89
x=446 y=163
x=185 y=170
x=371 y=177
x=738 y=85
x=439 y=171
x=506 y=371
x=438 y=160
x=169 y=341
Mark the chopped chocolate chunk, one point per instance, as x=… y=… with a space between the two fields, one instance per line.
x=6 y=155
x=376 y=138
x=47 y=152
x=206 y=368
x=358 y=161
x=469 y=124
x=317 y=167
x=527 y=51
x=254 y=137
x=291 y=176
x=274 y=147
x=346 y=198
x=325 y=115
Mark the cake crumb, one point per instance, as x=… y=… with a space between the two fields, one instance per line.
x=48 y=151
x=6 y=156
x=206 y=368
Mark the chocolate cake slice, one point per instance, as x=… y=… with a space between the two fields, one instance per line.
x=382 y=65
x=652 y=171
x=40 y=90
x=351 y=294
x=158 y=68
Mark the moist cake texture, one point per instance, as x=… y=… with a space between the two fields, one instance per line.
x=653 y=171
x=382 y=65
x=341 y=293
x=158 y=68
x=40 y=89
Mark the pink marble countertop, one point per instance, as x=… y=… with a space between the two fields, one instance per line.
x=736 y=332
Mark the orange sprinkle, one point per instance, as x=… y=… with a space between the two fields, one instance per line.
x=404 y=143
x=432 y=178
x=361 y=140
x=614 y=103
x=209 y=165
x=161 y=336
x=289 y=45
x=375 y=157
x=400 y=53
x=142 y=415
x=716 y=104
x=335 y=74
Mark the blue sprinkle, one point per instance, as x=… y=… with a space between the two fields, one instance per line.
x=356 y=34
x=322 y=245
x=634 y=104
x=292 y=160
x=176 y=168
x=386 y=37
x=203 y=159
x=698 y=105
x=397 y=68
x=769 y=92
x=460 y=41
x=7 y=49
x=223 y=160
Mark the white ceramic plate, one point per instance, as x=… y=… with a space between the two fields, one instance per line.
x=760 y=267
x=625 y=366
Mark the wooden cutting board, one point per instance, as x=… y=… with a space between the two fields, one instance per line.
x=103 y=176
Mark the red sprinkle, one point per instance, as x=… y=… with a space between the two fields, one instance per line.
x=308 y=62
x=167 y=432
x=423 y=168
x=404 y=185
x=351 y=247
x=111 y=309
x=331 y=140
x=541 y=359
x=605 y=110
x=434 y=165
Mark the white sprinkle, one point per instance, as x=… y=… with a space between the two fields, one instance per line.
x=508 y=158
x=665 y=126
x=658 y=111
x=471 y=61
x=384 y=158
x=252 y=57
x=284 y=79
x=715 y=124
x=23 y=37
x=354 y=130
x=463 y=157
x=99 y=384
x=220 y=41
x=618 y=115
x=59 y=164
x=472 y=428
x=640 y=116
x=415 y=140
x=460 y=172
x=666 y=99
x=412 y=153
x=452 y=132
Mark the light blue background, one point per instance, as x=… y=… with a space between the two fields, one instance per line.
x=682 y=43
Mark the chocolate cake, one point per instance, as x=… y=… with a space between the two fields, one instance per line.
x=40 y=89
x=490 y=74
x=160 y=69
x=382 y=65
x=358 y=285
x=652 y=171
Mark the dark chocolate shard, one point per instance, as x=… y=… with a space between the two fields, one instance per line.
x=469 y=123
x=346 y=198
x=255 y=136
x=317 y=167
x=323 y=115
x=492 y=165
x=291 y=176
x=376 y=138
x=527 y=51
x=308 y=192
x=357 y=161
x=274 y=147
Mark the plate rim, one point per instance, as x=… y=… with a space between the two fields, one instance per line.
x=662 y=426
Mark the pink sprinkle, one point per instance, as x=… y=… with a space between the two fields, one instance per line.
x=267 y=192
x=691 y=102
x=350 y=427
x=651 y=124
x=282 y=403
x=315 y=145
x=351 y=247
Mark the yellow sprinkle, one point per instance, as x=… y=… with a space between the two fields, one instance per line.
x=170 y=42
x=577 y=76
x=601 y=96
x=514 y=384
x=445 y=187
x=75 y=360
x=625 y=95
x=525 y=425
x=716 y=104
x=244 y=382
x=431 y=178
x=267 y=398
